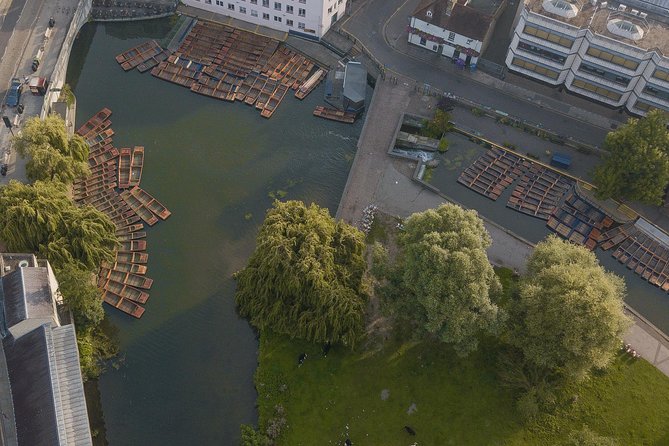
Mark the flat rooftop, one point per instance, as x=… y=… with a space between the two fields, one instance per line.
x=655 y=33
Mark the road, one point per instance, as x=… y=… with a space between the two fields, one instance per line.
x=380 y=25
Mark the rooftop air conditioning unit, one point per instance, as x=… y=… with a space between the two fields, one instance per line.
x=634 y=12
x=643 y=15
x=622 y=7
x=23 y=264
x=593 y=2
x=603 y=5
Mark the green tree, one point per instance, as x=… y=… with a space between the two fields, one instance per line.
x=444 y=280
x=53 y=155
x=568 y=317
x=94 y=347
x=586 y=437
x=305 y=278
x=252 y=437
x=81 y=295
x=637 y=165
x=41 y=218
x=440 y=124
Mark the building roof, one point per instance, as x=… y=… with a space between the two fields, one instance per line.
x=355 y=82
x=649 y=33
x=47 y=388
x=454 y=16
x=26 y=294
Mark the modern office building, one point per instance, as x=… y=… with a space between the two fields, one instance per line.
x=42 y=398
x=614 y=53
x=457 y=29
x=307 y=18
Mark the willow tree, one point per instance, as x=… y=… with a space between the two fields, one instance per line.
x=305 y=277
x=448 y=287
x=568 y=318
x=41 y=218
x=52 y=154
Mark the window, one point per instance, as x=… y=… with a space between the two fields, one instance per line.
x=277 y=19
x=303 y=1
x=265 y=3
x=289 y=22
x=300 y=25
x=612 y=58
x=207 y=2
x=265 y=16
x=242 y=9
x=277 y=6
x=231 y=7
x=662 y=75
x=423 y=41
x=645 y=106
x=534 y=67
x=254 y=13
x=330 y=10
x=604 y=74
x=596 y=89
x=653 y=91
x=549 y=36
x=302 y=12
x=289 y=9
x=451 y=36
x=542 y=52
x=254 y=2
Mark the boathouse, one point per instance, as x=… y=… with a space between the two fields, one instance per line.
x=345 y=87
x=41 y=390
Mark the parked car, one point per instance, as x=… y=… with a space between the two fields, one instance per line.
x=14 y=94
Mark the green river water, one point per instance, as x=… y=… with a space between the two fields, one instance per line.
x=185 y=375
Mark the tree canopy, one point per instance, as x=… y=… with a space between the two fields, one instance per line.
x=447 y=283
x=81 y=295
x=637 y=166
x=41 y=218
x=305 y=277
x=53 y=155
x=569 y=315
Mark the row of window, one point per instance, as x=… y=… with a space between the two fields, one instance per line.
x=542 y=52
x=534 y=67
x=604 y=74
x=254 y=13
x=662 y=75
x=661 y=94
x=277 y=7
x=596 y=89
x=612 y=58
x=549 y=36
x=645 y=106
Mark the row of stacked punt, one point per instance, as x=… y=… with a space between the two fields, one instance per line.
x=113 y=188
x=229 y=64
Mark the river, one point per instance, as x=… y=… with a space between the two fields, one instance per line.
x=185 y=374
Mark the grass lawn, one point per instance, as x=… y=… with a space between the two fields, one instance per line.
x=457 y=401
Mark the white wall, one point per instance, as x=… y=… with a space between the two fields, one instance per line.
x=449 y=45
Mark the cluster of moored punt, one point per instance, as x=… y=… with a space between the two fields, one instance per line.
x=233 y=65
x=493 y=172
x=539 y=191
x=113 y=188
x=579 y=221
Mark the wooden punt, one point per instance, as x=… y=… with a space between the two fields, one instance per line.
x=132 y=246
x=136 y=166
x=274 y=101
x=131 y=236
x=255 y=90
x=124 y=305
x=102 y=158
x=126 y=267
x=125 y=291
x=126 y=278
x=95 y=121
x=265 y=94
x=334 y=114
x=150 y=202
x=311 y=83
x=244 y=88
x=132 y=257
x=100 y=137
x=141 y=210
x=128 y=229
x=124 y=160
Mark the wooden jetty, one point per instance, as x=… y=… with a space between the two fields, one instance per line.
x=493 y=172
x=125 y=291
x=334 y=115
x=136 y=166
x=126 y=278
x=311 y=83
x=150 y=202
x=124 y=305
x=125 y=158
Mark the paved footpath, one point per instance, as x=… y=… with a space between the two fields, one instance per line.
x=377 y=178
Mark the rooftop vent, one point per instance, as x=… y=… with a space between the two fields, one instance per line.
x=634 y=12
x=429 y=13
x=625 y=28
x=604 y=5
x=622 y=7
x=23 y=263
x=643 y=15
x=560 y=7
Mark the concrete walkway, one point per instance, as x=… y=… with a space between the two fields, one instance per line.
x=377 y=178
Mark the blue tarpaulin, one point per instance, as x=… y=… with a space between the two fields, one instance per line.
x=561 y=160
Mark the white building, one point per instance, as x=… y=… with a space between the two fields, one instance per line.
x=307 y=18
x=606 y=51
x=453 y=28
